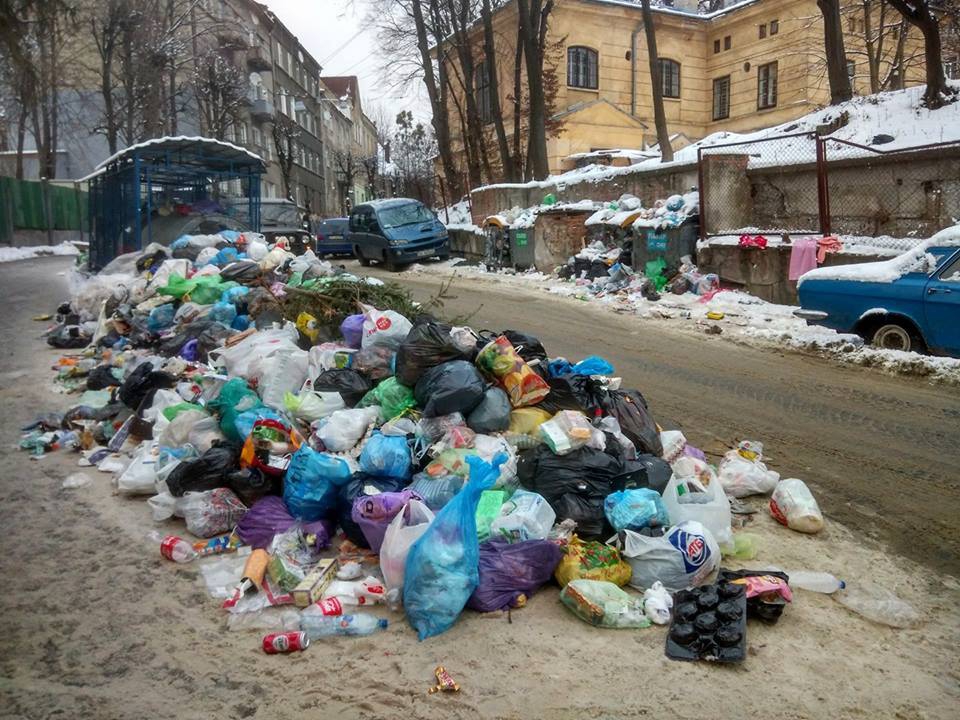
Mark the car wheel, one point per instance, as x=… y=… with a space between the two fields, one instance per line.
x=389 y=263
x=360 y=258
x=897 y=336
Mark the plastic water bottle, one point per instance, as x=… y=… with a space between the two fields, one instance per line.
x=318 y=626
x=174 y=548
x=820 y=582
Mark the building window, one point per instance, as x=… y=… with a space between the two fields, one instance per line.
x=763 y=31
x=774 y=27
x=242 y=133
x=727 y=42
x=257 y=136
x=716 y=46
x=481 y=87
x=767 y=86
x=721 y=98
x=582 y=68
x=670 y=78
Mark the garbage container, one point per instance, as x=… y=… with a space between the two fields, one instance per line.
x=671 y=244
x=521 y=248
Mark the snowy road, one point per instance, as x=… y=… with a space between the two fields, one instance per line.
x=880 y=452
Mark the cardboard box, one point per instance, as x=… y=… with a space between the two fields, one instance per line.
x=311 y=588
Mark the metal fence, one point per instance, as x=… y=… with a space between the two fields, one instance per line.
x=804 y=184
x=39 y=205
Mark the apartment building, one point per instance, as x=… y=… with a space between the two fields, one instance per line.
x=747 y=65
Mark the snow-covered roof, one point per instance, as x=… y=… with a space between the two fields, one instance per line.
x=684 y=12
x=886 y=271
x=180 y=142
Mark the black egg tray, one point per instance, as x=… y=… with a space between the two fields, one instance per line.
x=709 y=623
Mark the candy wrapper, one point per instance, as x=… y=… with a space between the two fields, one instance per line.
x=522 y=385
x=445 y=683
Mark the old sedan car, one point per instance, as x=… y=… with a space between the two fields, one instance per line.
x=910 y=302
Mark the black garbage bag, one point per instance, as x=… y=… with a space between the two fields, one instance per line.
x=527 y=346
x=210 y=470
x=101 y=377
x=351 y=385
x=636 y=422
x=427 y=345
x=493 y=412
x=455 y=386
x=141 y=385
x=68 y=337
x=647 y=471
x=361 y=485
x=242 y=271
x=209 y=334
x=575 y=484
x=251 y=484
x=573 y=392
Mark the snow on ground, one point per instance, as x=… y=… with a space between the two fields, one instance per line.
x=746 y=319
x=9 y=254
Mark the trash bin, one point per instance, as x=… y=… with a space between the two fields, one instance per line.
x=521 y=248
x=671 y=244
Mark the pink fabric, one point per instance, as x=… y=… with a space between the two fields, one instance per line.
x=803 y=257
x=829 y=244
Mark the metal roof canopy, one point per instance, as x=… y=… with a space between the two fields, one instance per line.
x=122 y=187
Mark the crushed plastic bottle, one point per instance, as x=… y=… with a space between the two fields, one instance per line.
x=173 y=547
x=878 y=604
x=318 y=626
x=820 y=582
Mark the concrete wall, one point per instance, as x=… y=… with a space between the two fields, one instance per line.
x=467 y=244
x=557 y=236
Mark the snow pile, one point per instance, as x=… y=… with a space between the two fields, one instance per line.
x=881 y=246
x=9 y=254
x=458 y=217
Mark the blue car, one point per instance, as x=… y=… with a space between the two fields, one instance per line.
x=911 y=302
x=396 y=232
x=332 y=237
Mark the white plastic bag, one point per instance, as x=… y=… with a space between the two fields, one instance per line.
x=402 y=532
x=344 y=428
x=204 y=434
x=162 y=399
x=685 y=557
x=741 y=477
x=385 y=328
x=673 y=442
x=237 y=359
x=310 y=405
x=368 y=591
x=140 y=477
x=657 y=603
x=327 y=356
x=177 y=432
x=695 y=493
x=280 y=373
x=257 y=250
x=793 y=505
x=525 y=516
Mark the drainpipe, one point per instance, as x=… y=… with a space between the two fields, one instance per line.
x=633 y=68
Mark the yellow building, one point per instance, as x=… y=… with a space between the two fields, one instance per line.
x=753 y=64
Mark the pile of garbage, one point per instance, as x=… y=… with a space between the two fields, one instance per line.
x=666 y=213
x=364 y=456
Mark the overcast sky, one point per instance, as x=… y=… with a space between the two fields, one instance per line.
x=337 y=35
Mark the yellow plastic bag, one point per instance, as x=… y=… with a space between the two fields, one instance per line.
x=591 y=560
x=527 y=421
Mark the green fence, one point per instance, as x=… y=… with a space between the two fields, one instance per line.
x=39 y=205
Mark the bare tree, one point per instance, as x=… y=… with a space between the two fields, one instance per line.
x=923 y=15
x=221 y=91
x=840 y=90
x=414 y=148
x=349 y=166
x=533 y=20
x=285 y=134
x=885 y=45
x=656 y=79
x=493 y=88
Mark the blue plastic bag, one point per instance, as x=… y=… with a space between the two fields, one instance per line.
x=593 y=365
x=311 y=484
x=636 y=509
x=161 y=318
x=442 y=569
x=223 y=312
x=240 y=322
x=235 y=295
x=386 y=456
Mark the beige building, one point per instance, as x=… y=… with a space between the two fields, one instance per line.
x=750 y=65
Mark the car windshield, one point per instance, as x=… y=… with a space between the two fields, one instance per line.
x=400 y=215
x=282 y=214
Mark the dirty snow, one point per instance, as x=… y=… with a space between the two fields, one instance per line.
x=9 y=254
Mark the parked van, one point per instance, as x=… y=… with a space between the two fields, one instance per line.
x=395 y=232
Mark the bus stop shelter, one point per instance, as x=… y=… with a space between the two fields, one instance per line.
x=164 y=177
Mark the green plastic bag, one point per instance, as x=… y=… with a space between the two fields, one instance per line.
x=177 y=286
x=393 y=398
x=173 y=410
x=235 y=398
x=654 y=271
x=203 y=289
x=488 y=510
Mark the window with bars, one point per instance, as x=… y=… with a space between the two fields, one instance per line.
x=481 y=89
x=582 y=68
x=721 y=98
x=767 y=86
x=670 y=78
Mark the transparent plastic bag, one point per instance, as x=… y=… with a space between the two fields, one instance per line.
x=695 y=493
x=525 y=516
x=566 y=431
x=140 y=476
x=741 y=477
x=792 y=504
x=310 y=406
x=210 y=513
x=603 y=604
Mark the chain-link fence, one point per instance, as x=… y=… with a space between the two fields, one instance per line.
x=903 y=193
x=760 y=186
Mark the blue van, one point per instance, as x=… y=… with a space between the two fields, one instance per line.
x=395 y=232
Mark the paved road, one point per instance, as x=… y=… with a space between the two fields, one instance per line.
x=880 y=452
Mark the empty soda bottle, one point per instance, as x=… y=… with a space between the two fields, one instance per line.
x=174 y=548
x=318 y=626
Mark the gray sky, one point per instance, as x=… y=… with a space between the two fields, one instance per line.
x=337 y=35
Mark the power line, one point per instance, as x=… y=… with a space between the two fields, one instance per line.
x=341 y=47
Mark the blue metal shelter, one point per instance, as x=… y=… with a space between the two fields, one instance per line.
x=166 y=175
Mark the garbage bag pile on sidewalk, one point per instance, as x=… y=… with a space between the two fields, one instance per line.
x=340 y=460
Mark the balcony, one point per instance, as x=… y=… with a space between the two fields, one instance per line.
x=262 y=110
x=230 y=40
x=258 y=60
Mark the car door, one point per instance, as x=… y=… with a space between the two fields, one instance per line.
x=942 y=308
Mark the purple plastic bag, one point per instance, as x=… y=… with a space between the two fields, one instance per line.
x=269 y=516
x=691 y=451
x=373 y=513
x=352 y=330
x=509 y=570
